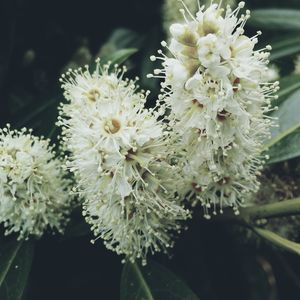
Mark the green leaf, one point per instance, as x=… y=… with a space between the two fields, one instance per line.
x=288 y=123
x=121 y=38
x=36 y=112
x=279 y=19
x=152 y=282
x=287 y=148
x=278 y=240
x=285 y=142
x=119 y=56
x=287 y=45
x=15 y=264
x=288 y=85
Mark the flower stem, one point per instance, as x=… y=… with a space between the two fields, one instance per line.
x=278 y=240
x=249 y=214
x=279 y=209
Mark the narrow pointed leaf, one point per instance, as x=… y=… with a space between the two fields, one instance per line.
x=15 y=264
x=152 y=282
x=288 y=85
x=287 y=148
x=121 y=38
x=278 y=240
x=120 y=56
x=287 y=45
x=288 y=123
x=283 y=19
x=36 y=112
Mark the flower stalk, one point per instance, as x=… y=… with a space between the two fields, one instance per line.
x=249 y=215
x=278 y=209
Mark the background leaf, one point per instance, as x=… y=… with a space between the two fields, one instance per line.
x=152 y=282
x=285 y=46
x=288 y=85
x=121 y=38
x=288 y=117
x=284 y=19
x=15 y=264
x=286 y=148
x=119 y=56
x=37 y=112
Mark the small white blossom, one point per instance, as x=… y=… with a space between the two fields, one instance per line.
x=272 y=73
x=215 y=85
x=148 y=220
x=171 y=10
x=34 y=193
x=118 y=149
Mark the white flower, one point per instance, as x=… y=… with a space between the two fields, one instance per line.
x=209 y=51
x=34 y=193
x=272 y=73
x=114 y=143
x=172 y=12
x=85 y=89
x=117 y=151
x=148 y=220
x=219 y=108
x=176 y=72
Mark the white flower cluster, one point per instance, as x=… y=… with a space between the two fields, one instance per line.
x=33 y=191
x=272 y=73
x=119 y=153
x=171 y=10
x=214 y=87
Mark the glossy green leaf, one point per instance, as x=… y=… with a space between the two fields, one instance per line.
x=288 y=85
x=15 y=264
x=278 y=240
x=285 y=142
x=119 y=56
x=279 y=19
x=287 y=148
x=285 y=46
x=121 y=38
x=36 y=112
x=152 y=282
x=288 y=123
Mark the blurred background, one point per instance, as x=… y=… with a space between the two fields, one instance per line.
x=41 y=39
